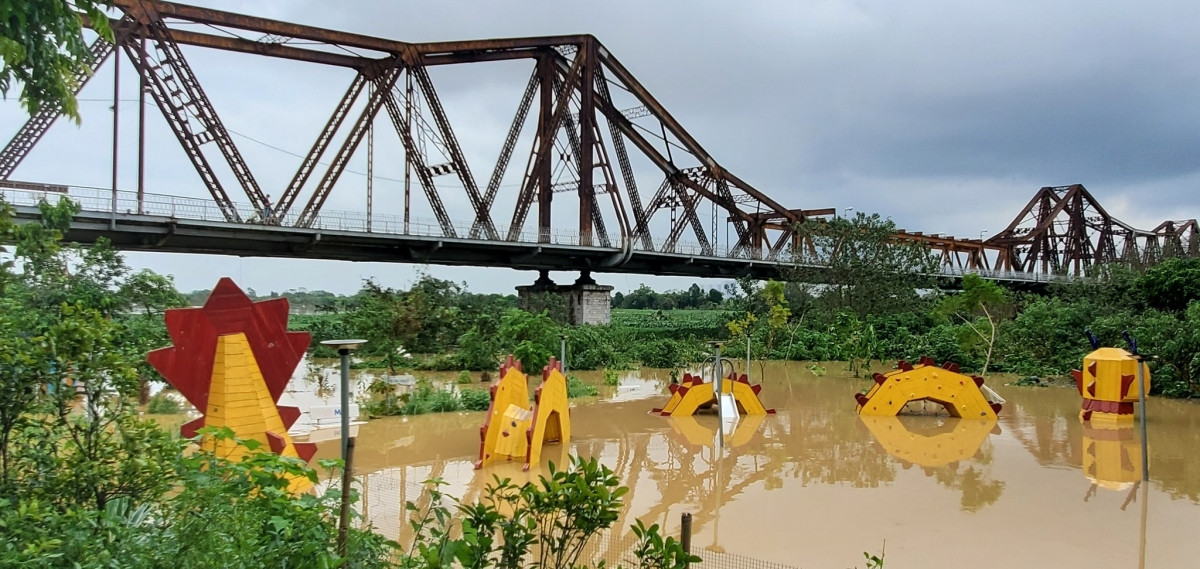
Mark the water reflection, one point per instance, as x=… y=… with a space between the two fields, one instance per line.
x=696 y=434
x=815 y=485
x=943 y=447
x=1112 y=455
x=929 y=441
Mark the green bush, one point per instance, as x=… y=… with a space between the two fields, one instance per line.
x=545 y=524
x=611 y=377
x=577 y=388
x=668 y=353
x=475 y=399
x=163 y=404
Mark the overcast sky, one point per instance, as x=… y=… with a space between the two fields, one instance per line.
x=944 y=115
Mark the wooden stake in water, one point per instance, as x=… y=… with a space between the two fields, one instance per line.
x=685 y=532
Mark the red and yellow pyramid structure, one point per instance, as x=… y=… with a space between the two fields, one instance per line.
x=232 y=359
x=513 y=429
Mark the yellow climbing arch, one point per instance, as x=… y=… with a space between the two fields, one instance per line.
x=960 y=394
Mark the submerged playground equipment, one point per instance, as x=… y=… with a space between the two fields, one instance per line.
x=512 y=428
x=1108 y=384
x=232 y=359
x=693 y=394
x=961 y=395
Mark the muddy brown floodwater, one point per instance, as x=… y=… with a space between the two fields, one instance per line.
x=815 y=486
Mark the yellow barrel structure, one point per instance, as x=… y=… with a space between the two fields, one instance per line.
x=1108 y=385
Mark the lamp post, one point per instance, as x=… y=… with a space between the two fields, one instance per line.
x=562 y=352
x=981 y=234
x=344 y=347
x=846 y=212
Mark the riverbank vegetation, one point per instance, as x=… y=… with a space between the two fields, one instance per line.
x=861 y=312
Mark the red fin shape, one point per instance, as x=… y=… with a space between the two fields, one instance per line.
x=277 y=443
x=188 y=430
x=289 y=416
x=305 y=450
x=1126 y=383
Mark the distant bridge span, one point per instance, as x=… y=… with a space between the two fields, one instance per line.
x=171 y=224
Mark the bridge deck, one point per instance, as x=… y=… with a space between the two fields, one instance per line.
x=176 y=224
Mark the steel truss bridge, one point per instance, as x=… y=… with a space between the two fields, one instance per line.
x=592 y=134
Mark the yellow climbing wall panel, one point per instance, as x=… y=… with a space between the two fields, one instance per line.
x=552 y=420
x=510 y=390
x=513 y=428
x=692 y=396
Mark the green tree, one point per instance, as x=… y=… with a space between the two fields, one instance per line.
x=532 y=338
x=387 y=318
x=867 y=270
x=43 y=48
x=1172 y=284
x=978 y=306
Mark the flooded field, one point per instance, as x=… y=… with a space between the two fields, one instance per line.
x=815 y=486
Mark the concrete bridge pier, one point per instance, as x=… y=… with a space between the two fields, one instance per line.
x=586 y=302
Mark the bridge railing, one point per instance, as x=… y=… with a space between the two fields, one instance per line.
x=202 y=209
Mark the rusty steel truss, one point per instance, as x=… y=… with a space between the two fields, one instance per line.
x=1063 y=230
x=581 y=139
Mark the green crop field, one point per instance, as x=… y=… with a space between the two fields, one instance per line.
x=680 y=324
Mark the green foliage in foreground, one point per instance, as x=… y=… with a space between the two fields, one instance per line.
x=240 y=513
x=546 y=524
x=83 y=481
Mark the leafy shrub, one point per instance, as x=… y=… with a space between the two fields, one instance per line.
x=594 y=347
x=611 y=377
x=667 y=353
x=464 y=377
x=577 y=388
x=475 y=399
x=545 y=524
x=163 y=404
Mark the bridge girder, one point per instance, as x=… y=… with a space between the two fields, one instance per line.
x=579 y=129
